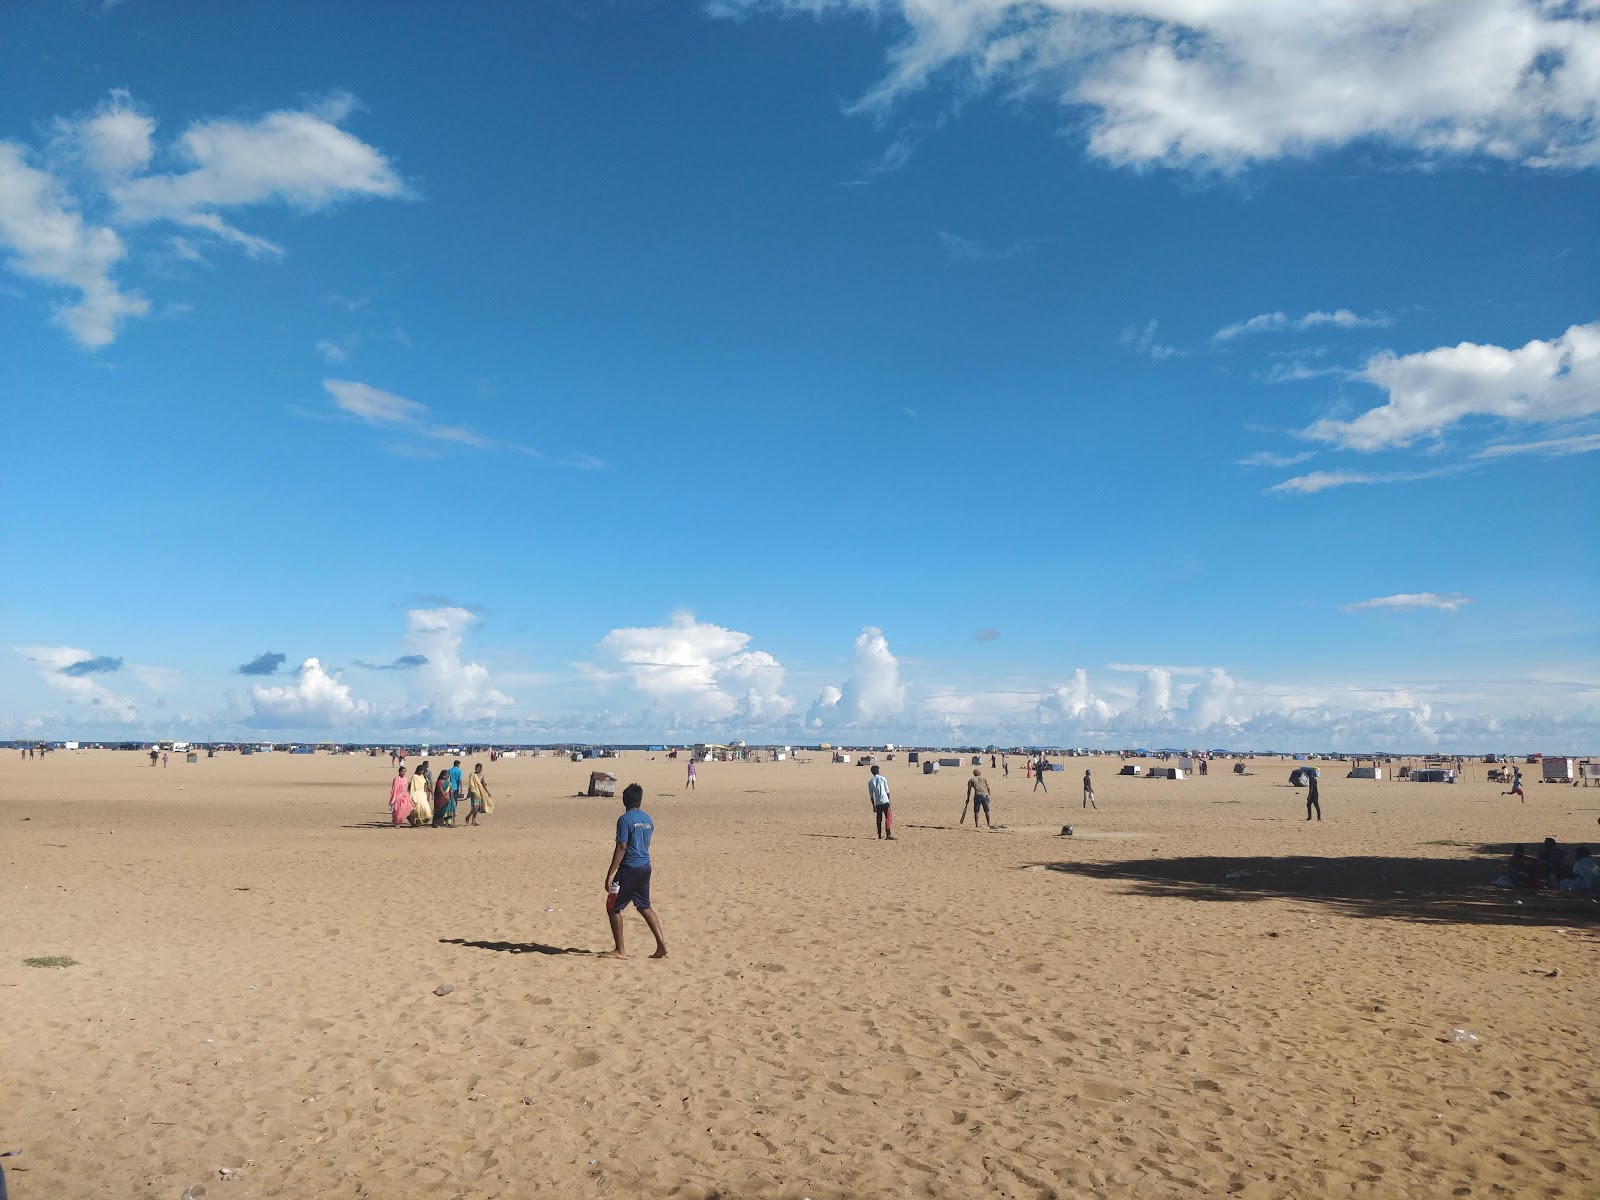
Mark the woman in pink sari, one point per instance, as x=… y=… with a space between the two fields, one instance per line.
x=400 y=798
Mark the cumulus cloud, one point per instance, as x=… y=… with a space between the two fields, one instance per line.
x=47 y=239
x=698 y=671
x=75 y=673
x=262 y=664
x=1341 y=318
x=444 y=687
x=1224 y=83
x=1074 y=702
x=99 y=161
x=314 y=700
x=1543 y=381
x=872 y=694
x=1411 y=602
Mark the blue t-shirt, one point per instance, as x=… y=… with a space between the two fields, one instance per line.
x=455 y=778
x=634 y=828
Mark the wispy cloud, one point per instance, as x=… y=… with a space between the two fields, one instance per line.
x=1280 y=322
x=1266 y=458
x=960 y=249
x=1583 y=443
x=406 y=662
x=987 y=635
x=1297 y=372
x=1142 y=340
x=1321 y=481
x=1411 y=602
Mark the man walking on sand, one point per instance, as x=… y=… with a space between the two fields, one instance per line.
x=1039 y=768
x=878 y=793
x=1088 y=791
x=978 y=795
x=628 y=876
x=689 y=782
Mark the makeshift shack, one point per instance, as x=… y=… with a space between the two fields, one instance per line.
x=949 y=762
x=913 y=756
x=1432 y=775
x=1558 y=770
x=1167 y=773
x=1357 y=771
x=602 y=783
x=1130 y=769
x=930 y=767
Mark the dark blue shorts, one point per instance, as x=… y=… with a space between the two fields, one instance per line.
x=979 y=801
x=634 y=885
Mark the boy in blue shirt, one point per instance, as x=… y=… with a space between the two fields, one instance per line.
x=630 y=871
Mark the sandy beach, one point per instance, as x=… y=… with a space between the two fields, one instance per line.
x=1199 y=993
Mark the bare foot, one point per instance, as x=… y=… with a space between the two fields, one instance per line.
x=661 y=952
x=612 y=954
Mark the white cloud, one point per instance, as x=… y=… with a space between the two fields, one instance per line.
x=872 y=694
x=1584 y=443
x=1211 y=699
x=1266 y=458
x=295 y=157
x=961 y=249
x=1412 y=602
x=444 y=688
x=49 y=240
x=1142 y=338
x=1434 y=389
x=53 y=665
x=1074 y=702
x=100 y=161
x=1223 y=83
x=698 y=671
x=1155 y=694
x=385 y=410
x=335 y=351
x=1341 y=318
x=314 y=700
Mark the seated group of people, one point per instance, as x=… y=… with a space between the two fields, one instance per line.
x=1550 y=868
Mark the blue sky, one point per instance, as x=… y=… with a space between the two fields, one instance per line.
x=1150 y=370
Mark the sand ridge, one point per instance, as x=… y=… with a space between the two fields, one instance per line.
x=959 y=1013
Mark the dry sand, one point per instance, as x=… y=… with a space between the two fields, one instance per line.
x=955 y=1014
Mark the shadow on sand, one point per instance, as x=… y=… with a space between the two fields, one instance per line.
x=515 y=947
x=1433 y=890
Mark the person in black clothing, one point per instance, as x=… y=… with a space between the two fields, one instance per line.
x=1312 y=801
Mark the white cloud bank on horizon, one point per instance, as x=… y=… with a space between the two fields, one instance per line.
x=695 y=673
x=1411 y=602
x=1225 y=83
x=99 y=162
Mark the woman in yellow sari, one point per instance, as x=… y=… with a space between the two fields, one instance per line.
x=421 y=807
x=477 y=795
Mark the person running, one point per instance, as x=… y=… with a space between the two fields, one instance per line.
x=1516 y=785
x=1088 y=792
x=628 y=876
x=1312 y=799
x=400 y=799
x=477 y=794
x=978 y=795
x=1039 y=768
x=689 y=782
x=878 y=794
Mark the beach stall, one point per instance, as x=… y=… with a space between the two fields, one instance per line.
x=602 y=783
x=1167 y=773
x=930 y=767
x=914 y=756
x=1558 y=770
x=1370 y=771
x=1131 y=769
x=949 y=762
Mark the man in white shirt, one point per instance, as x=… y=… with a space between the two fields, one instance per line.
x=878 y=793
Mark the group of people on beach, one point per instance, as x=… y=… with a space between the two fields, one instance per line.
x=426 y=801
x=1551 y=868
